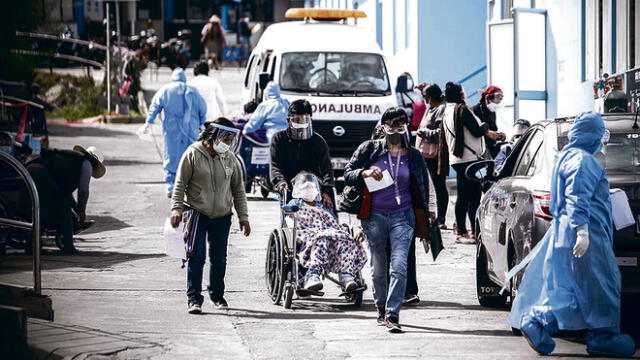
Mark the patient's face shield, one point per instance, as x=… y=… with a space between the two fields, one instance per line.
x=306 y=187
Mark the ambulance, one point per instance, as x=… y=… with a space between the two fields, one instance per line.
x=339 y=68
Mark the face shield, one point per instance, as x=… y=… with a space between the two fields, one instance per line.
x=306 y=187
x=396 y=134
x=226 y=138
x=300 y=127
x=518 y=132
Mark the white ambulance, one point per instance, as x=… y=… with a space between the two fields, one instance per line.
x=339 y=68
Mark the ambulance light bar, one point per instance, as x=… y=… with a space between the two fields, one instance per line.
x=326 y=14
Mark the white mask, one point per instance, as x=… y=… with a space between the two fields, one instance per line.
x=307 y=192
x=493 y=107
x=299 y=126
x=221 y=147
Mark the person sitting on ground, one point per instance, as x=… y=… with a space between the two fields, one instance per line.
x=271 y=114
x=324 y=246
x=519 y=128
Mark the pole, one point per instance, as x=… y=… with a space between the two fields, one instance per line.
x=108 y=62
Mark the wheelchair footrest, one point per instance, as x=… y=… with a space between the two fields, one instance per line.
x=305 y=292
x=358 y=289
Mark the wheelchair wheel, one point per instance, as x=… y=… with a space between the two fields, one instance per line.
x=355 y=298
x=264 y=192
x=274 y=266
x=289 y=289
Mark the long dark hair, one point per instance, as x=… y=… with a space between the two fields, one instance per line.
x=454 y=93
x=209 y=133
x=434 y=92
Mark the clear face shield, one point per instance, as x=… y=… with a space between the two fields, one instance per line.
x=396 y=133
x=518 y=132
x=300 y=127
x=226 y=138
x=306 y=187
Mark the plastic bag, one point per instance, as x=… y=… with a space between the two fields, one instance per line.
x=174 y=240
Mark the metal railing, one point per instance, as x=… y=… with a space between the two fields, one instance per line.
x=34 y=226
x=90 y=44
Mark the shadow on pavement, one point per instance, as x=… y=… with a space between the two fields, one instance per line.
x=473 y=332
x=326 y=312
x=124 y=162
x=104 y=223
x=55 y=260
x=450 y=305
x=63 y=130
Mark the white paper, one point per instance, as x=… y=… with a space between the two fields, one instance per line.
x=621 y=211
x=260 y=156
x=174 y=244
x=374 y=185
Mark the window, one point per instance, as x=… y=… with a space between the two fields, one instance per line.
x=529 y=154
x=249 y=68
x=592 y=39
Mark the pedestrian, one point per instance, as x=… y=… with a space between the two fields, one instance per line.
x=271 y=113
x=209 y=184
x=490 y=101
x=299 y=148
x=410 y=99
x=462 y=144
x=572 y=281
x=427 y=141
x=390 y=214
x=184 y=113
x=57 y=174
x=244 y=30
x=213 y=40
x=519 y=128
x=210 y=90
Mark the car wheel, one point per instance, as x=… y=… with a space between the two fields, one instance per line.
x=487 y=290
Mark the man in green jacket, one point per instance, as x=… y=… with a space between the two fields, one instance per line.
x=208 y=185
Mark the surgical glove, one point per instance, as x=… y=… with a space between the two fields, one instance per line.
x=144 y=132
x=582 y=241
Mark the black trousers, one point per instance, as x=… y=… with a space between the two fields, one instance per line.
x=468 y=200
x=412 y=282
x=440 y=185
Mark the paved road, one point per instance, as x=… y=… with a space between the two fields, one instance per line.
x=122 y=297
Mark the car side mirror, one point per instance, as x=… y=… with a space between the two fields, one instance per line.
x=263 y=80
x=401 y=85
x=481 y=171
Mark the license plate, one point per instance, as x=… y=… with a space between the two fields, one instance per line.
x=260 y=156
x=627 y=261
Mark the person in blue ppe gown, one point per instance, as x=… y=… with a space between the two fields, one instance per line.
x=184 y=113
x=572 y=281
x=271 y=114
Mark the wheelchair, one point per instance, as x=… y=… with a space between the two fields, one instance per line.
x=282 y=268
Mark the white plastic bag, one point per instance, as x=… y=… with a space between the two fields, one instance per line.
x=174 y=240
x=622 y=214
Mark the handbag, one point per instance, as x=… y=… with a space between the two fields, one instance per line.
x=429 y=149
x=435 y=237
x=351 y=199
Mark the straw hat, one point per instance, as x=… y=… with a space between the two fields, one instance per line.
x=95 y=158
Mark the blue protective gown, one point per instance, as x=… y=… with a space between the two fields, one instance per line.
x=271 y=114
x=184 y=113
x=558 y=290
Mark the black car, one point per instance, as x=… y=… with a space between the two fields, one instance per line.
x=514 y=213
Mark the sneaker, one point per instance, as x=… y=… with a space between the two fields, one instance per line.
x=348 y=282
x=313 y=283
x=220 y=304
x=392 y=323
x=411 y=300
x=464 y=239
x=381 y=313
x=443 y=226
x=194 y=307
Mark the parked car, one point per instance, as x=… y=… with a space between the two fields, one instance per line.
x=514 y=213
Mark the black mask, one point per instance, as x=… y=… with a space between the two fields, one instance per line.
x=394 y=139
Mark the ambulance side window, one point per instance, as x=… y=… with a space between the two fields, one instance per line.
x=273 y=67
x=249 y=68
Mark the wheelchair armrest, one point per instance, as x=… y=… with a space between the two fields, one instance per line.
x=290 y=209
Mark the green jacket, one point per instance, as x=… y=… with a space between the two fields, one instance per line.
x=211 y=185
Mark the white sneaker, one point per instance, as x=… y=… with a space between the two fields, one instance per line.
x=313 y=282
x=347 y=282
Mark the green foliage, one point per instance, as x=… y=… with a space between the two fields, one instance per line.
x=78 y=98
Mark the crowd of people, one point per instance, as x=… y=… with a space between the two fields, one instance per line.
x=450 y=134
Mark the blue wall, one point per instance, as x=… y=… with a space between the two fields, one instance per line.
x=452 y=43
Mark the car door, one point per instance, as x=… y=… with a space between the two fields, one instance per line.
x=515 y=203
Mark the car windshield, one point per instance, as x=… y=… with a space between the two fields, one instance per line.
x=329 y=74
x=620 y=155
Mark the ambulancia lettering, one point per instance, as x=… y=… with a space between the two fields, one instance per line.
x=346 y=108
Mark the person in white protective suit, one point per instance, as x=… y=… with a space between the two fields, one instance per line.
x=210 y=89
x=271 y=114
x=572 y=281
x=184 y=113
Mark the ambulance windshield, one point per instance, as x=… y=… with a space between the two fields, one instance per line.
x=331 y=74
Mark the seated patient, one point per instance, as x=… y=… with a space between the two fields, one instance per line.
x=324 y=246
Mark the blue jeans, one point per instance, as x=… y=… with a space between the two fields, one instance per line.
x=217 y=232
x=397 y=229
